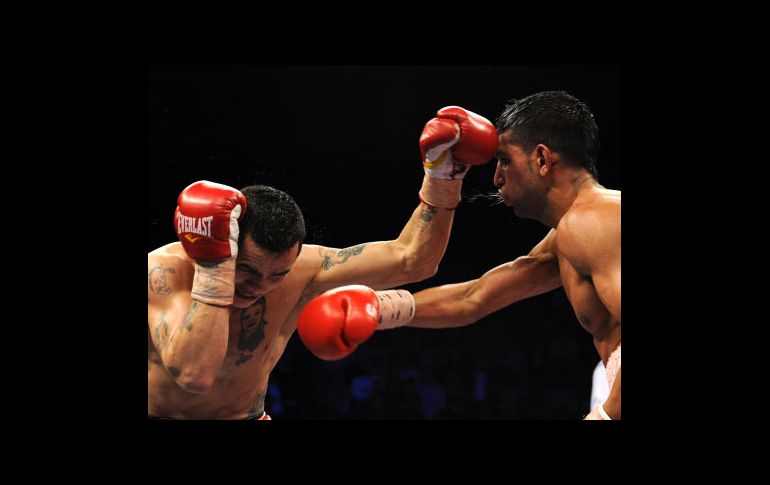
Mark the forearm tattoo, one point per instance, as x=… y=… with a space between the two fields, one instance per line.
x=426 y=214
x=252 y=330
x=187 y=322
x=332 y=258
x=156 y=279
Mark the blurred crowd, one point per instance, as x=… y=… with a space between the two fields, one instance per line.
x=492 y=370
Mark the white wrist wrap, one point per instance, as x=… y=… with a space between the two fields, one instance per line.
x=396 y=308
x=440 y=192
x=214 y=283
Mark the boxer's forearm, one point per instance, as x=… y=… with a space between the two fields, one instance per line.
x=424 y=239
x=445 y=306
x=196 y=349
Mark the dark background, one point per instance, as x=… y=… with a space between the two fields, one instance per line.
x=342 y=140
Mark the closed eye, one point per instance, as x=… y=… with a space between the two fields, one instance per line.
x=249 y=270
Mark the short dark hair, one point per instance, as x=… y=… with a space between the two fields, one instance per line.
x=556 y=119
x=273 y=220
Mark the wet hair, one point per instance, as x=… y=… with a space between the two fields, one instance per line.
x=273 y=219
x=556 y=119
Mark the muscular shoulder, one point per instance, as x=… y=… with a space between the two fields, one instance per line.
x=590 y=230
x=169 y=269
x=308 y=258
x=308 y=263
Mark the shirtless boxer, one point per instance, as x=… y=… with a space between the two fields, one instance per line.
x=223 y=302
x=548 y=143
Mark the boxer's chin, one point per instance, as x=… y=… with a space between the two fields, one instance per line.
x=242 y=301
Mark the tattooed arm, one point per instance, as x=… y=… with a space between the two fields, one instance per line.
x=414 y=256
x=190 y=336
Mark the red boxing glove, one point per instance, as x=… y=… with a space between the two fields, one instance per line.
x=206 y=220
x=454 y=139
x=450 y=143
x=478 y=136
x=333 y=324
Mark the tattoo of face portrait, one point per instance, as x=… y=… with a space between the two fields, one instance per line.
x=332 y=258
x=156 y=278
x=252 y=330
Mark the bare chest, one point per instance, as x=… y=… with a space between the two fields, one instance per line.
x=258 y=335
x=581 y=293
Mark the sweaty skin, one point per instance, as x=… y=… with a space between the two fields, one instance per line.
x=581 y=253
x=270 y=291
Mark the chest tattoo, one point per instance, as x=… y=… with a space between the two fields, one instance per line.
x=252 y=331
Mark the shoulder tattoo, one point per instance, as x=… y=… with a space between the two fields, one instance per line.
x=156 y=279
